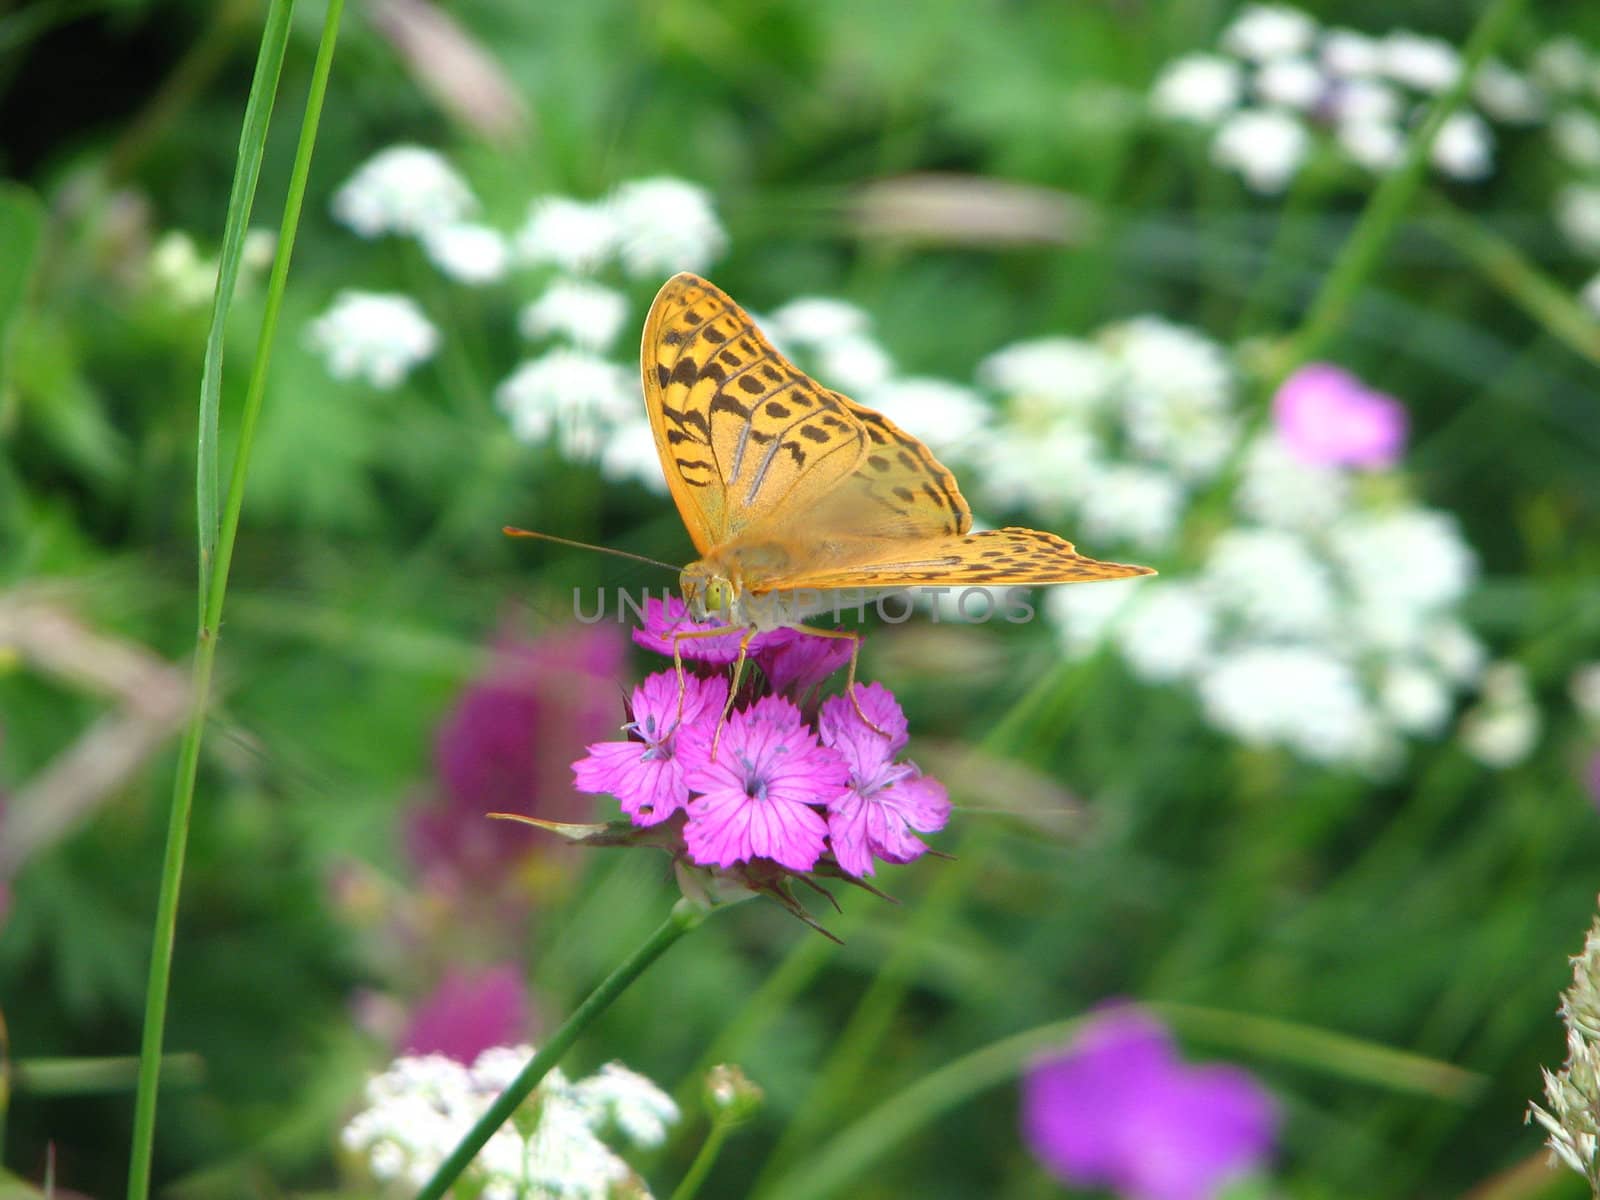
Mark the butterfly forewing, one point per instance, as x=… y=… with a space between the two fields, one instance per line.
x=804 y=488
x=743 y=434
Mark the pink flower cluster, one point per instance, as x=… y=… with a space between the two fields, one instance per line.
x=791 y=782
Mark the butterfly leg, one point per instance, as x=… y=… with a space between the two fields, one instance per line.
x=733 y=690
x=850 y=678
x=684 y=635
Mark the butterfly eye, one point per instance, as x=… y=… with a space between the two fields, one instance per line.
x=718 y=595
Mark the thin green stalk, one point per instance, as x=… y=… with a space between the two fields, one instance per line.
x=1360 y=254
x=241 y=199
x=689 y=1186
x=1503 y=265
x=874 y=1135
x=144 y=1119
x=683 y=918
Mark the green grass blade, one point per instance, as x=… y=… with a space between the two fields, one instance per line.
x=241 y=199
x=211 y=620
x=1394 y=195
x=21 y=228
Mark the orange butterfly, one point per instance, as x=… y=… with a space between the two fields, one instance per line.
x=790 y=490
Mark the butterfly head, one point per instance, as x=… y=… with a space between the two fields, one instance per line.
x=708 y=592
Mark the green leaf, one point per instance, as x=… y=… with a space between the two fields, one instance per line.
x=21 y=229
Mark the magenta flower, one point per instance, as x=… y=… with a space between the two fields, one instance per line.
x=885 y=800
x=646 y=774
x=500 y=749
x=795 y=661
x=1328 y=417
x=759 y=798
x=468 y=1014
x=663 y=619
x=1118 y=1109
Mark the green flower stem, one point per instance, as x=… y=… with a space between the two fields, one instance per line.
x=689 y=1186
x=1360 y=254
x=683 y=918
x=1503 y=265
x=215 y=572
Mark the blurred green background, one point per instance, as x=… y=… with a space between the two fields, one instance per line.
x=1125 y=847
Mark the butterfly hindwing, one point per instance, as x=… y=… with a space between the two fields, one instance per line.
x=1010 y=557
x=743 y=434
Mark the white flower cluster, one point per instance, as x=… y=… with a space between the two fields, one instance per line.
x=1567 y=74
x=420 y=1108
x=1308 y=607
x=375 y=336
x=1281 y=85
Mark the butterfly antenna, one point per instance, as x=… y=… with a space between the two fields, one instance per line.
x=513 y=531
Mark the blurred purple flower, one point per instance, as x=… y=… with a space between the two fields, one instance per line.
x=1328 y=417
x=645 y=774
x=470 y=1013
x=885 y=800
x=1118 y=1109
x=756 y=799
x=505 y=744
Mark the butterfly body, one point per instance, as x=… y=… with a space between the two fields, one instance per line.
x=791 y=491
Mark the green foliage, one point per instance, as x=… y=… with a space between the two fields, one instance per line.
x=1380 y=937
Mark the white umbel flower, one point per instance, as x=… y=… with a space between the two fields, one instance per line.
x=1202 y=88
x=629 y=452
x=1266 y=146
x=816 y=321
x=466 y=252
x=1293 y=696
x=375 y=336
x=1412 y=560
x=1375 y=145
x=420 y=1108
x=1425 y=63
x=1350 y=55
x=1578 y=216
x=1155 y=355
x=1464 y=147
x=1083 y=616
x=1137 y=505
x=641 y=1111
x=570 y=394
x=577 y=237
x=1502 y=729
x=1563 y=65
x=1415 y=698
x=1270 y=580
x=587 y=314
x=1507 y=96
x=1363 y=100
x=404 y=189
x=1584 y=688
x=1170 y=632
x=1262 y=32
x=945 y=415
x=1291 y=83
x=1576 y=134
x=854 y=363
x=1047 y=469
x=1450 y=646
x=1277 y=488
x=1055 y=375
x=665 y=225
